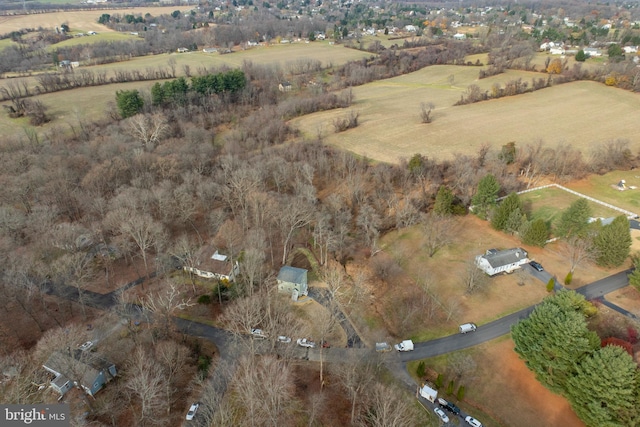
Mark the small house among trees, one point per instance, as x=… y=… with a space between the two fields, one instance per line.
x=292 y=279
x=285 y=87
x=494 y=262
x=216 y=266
x=81 y=369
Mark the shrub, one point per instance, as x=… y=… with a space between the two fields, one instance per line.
x=461 y=391
x=632 y=335
x=204 y=299
x=550 y=284
x=439 y=381
x=619 y=342
x=450 y=387
x=204 y=362
x=347 y=122
x=421 y=369
x=568 y=279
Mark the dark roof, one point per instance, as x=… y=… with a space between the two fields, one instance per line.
x=293 y=275
x=85 y=364
x=505 y=257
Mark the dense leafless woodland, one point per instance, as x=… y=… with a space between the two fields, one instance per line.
x=94 y=205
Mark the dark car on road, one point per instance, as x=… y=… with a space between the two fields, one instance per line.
x=536 y=265
x=449 y=406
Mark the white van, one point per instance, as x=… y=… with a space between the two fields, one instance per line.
x=468 y=327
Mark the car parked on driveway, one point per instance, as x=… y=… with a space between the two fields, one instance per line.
x=258 y=333
x=303 y=342
x=449 y=406
x=86 y=346
x=192 y=411
x=473 y=422
x=440 y=413
x=536 y=265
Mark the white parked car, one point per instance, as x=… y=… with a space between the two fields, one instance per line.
x=440 y=413
x=192 y=411
x=284 y=339
x=303 y=342
x=258 y=333
x=472 y=421
x=86 y=346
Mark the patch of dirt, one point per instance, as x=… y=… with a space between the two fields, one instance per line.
x=509 y=392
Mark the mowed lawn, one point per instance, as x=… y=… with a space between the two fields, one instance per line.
x=548 y=204
x=582 y=114
x=602 y=187
x=85 y=20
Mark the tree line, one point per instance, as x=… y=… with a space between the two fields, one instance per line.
x=600 y=381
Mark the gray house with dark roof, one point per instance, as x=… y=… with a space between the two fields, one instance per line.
x=292 y=279
x=494 y=262
x=79 y=368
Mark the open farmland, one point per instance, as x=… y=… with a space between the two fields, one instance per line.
x=93 y=100
x=390 y=126
x=84 y=20
x=108 y=36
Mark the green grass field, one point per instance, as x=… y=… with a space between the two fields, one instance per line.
x=107 y=36
x=5 y=43
x=602 y=188
x=548 y=204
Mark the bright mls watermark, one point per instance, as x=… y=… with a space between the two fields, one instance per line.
x=54 y=415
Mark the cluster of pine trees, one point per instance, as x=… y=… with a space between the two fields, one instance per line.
x=601 y=383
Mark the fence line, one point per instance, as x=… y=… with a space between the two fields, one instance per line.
x=629 y=214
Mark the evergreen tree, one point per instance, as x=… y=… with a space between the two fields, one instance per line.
x=613 y=242
x=504 y=210
x=604 y=389
x=444 y=201
x=553 y=339
x=129 y=103
x=537 y=233
x=634 y=277
x=581 y=56
x=485 y=197
x=515 y=222
x=575 y=220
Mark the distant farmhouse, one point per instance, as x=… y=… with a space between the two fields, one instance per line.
x=506 y=261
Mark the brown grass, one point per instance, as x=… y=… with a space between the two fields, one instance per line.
x=85 y=20
x=507 y=390
x=389 y=111
x=444 y=272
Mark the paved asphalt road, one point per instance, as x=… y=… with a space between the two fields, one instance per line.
x=503 y=325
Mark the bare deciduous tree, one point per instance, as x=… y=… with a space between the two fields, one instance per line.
x=577 y=251
x=473 y=278
x=264 y=386
x=438 y=232
x=172 y=357
x=145 y=232
x=145 y=381
x=389 y=407
x=164 y=304
x=425 y=111
x=294 y=213
x=147 y=129
x=356 y=376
